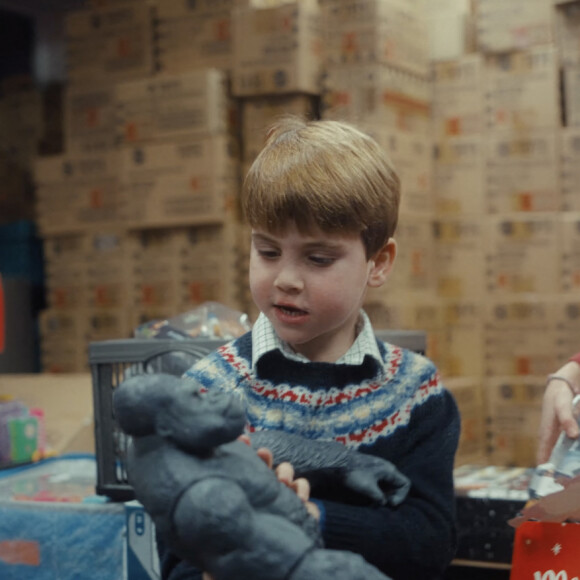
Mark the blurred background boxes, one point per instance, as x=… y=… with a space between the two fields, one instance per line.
x=377 y=95
x=570 y=168
x=469 y=395
x=522 y=172
x=460 y=246
x=514 y=407
x=392 y=32
x=462 y=339
x=109 y=44
x=522 y=89
x=172 y=107
x=520 y=336
x=74 y=192
x=179 y=183
x=89 y=119
x=277 y=50
x=506 y=26
x=458 y=96
x=459 y=174
x=523 y=254
x=130 y=162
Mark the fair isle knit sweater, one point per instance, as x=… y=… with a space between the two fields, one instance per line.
x=395 y=408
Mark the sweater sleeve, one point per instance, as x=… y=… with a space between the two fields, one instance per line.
x=416 y=539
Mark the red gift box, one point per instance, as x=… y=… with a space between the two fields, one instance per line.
x=546 y=551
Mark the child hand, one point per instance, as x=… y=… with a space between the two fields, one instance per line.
x=285 y=474
x=557 y=413
x=301 y=486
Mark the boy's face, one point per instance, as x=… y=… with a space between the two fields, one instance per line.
x=312 y=286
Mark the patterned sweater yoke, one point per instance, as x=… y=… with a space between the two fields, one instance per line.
x=354 y=404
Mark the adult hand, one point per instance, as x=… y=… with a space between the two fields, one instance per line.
x=557 y=413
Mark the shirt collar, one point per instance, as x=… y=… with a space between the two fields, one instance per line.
x=265 y=339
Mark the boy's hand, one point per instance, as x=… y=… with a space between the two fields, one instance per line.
x=285 y=474
x=301 y=486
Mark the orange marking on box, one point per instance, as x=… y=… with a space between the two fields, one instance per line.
x=24 y=552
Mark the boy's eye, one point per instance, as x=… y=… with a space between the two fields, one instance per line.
x=268 y=254
x=321 y=260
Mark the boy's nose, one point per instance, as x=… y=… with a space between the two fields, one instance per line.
x=288 y=279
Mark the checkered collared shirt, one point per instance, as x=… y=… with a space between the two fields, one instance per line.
x=265 y=339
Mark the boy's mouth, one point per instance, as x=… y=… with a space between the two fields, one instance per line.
x=290 y=310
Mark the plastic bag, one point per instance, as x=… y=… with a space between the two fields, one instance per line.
x=209 y=320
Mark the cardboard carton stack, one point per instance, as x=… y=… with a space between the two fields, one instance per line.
x=193 y=34
x=107 y=44
x=276 y=49
x=466 y=99
x=276 y=67
x=504 y=178
x=376 y=76
x=145 y=194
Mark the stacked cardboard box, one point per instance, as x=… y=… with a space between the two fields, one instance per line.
x=451 y=29
x=194 y=34
x=150 y=150
x=391 y=32
x=177 y=269
x=109 y=44
x=180 y=183
x=73 y=192
x=569 y=146
x=87 y=286
x=514 y=416
x=469 y=396
x=569 y=228
x=462 y=341
x=16 y=194
x=488 y=261
x=276 y=67
x=173 y=107
x=276 y=50
x=507 y=26
x=505 y=165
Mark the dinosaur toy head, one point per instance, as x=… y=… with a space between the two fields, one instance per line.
x=179 y=410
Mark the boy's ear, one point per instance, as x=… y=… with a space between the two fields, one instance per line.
x=382 y=264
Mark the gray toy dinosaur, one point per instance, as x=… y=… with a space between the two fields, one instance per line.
x=217 y=503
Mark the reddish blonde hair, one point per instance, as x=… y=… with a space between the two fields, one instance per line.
x=323 y=173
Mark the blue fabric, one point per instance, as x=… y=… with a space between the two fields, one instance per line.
x=43 y=540
x=72 y=542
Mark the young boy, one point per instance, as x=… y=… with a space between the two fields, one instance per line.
x=322 y=201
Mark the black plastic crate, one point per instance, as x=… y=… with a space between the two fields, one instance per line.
x=112 y=361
